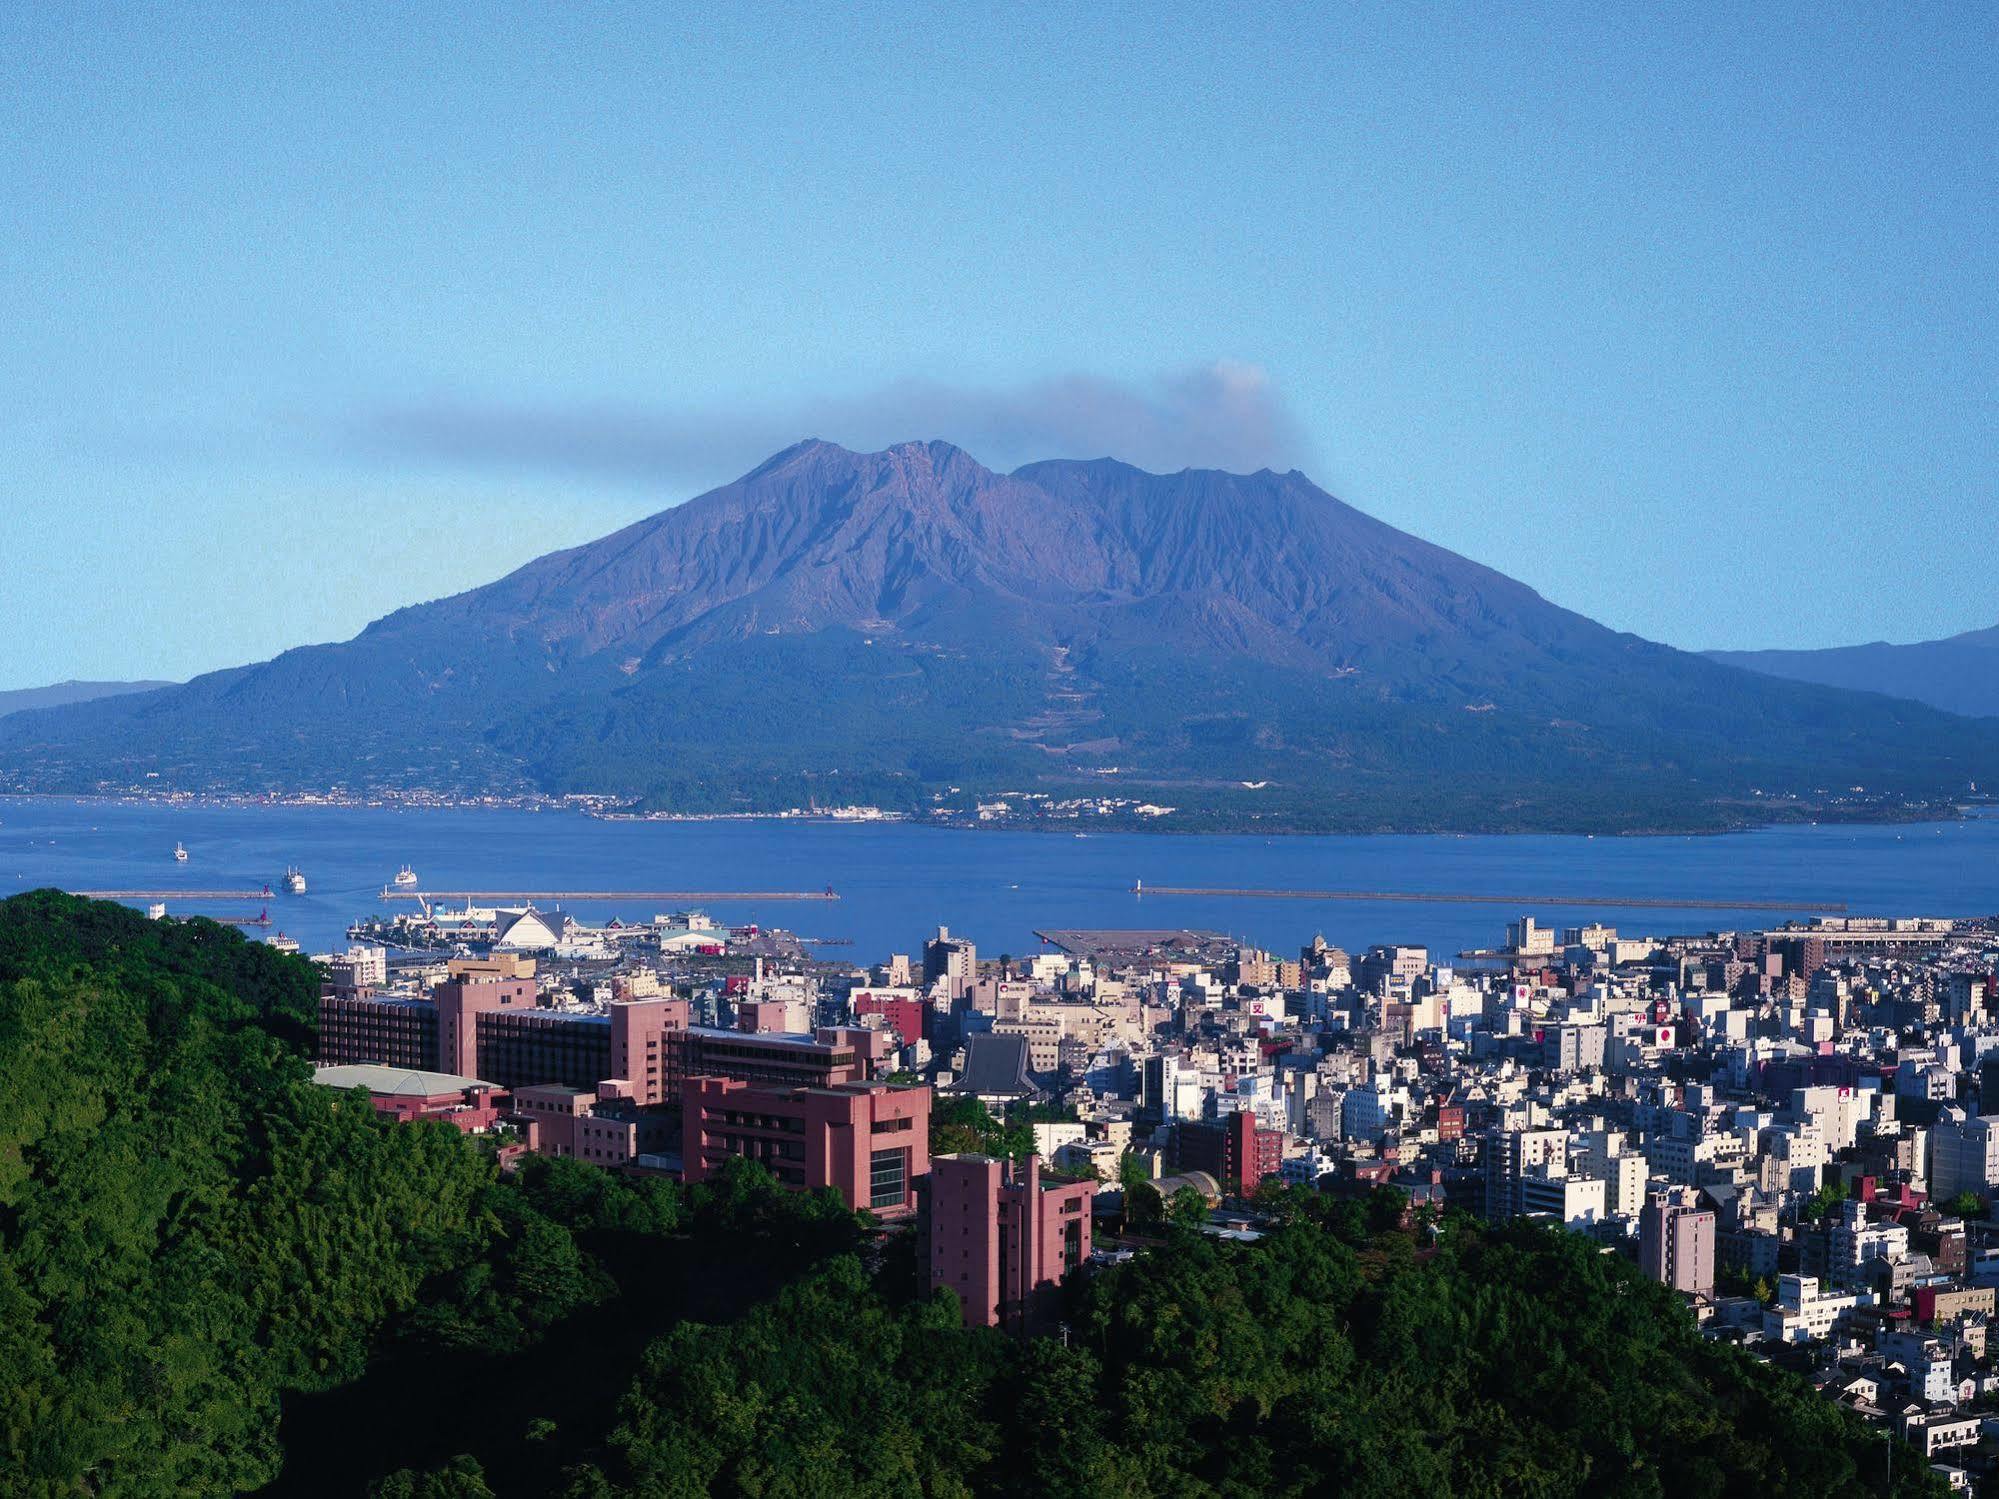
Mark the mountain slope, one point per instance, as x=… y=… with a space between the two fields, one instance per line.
x=1959 y=674
x=61 y=694
x=910 y=629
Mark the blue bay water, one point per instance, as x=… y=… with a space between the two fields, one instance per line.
x=899 y=882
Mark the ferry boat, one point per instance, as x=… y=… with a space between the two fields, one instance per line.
x=283 y=943
x=294 y=882
x=406 y=878
x=180 y=853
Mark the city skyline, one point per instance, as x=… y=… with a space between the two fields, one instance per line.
x=770 y=750
x=317 y=324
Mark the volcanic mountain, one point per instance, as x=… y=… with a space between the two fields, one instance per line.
x=911 y=630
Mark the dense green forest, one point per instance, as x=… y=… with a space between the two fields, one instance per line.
x=217 y=1277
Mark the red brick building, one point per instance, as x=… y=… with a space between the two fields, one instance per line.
x=907 y=1015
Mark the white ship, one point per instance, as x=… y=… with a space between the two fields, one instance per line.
x=180 y=853
x=294 y=882
x=283 y=943
x=406 y=878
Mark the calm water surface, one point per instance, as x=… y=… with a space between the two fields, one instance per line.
x=898 y=882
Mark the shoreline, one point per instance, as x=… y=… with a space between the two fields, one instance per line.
x=612 y=809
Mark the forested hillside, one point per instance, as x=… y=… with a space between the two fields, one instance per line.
x=188 y=1226
x=215 y=1276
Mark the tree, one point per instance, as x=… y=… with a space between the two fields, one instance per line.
x=1387 y=1207
x=189 y=1226
x=1823 y=1201
x=460 y=1478
x=965 y=1125
x=1187 y=1207
x=1144 y=1208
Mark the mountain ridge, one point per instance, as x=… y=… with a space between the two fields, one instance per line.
x=909 y=629
x=73 y=690
x=1958 y=673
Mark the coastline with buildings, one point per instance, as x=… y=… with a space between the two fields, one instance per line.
x=999 y=886
x=996 y=811
x=1795 y=1126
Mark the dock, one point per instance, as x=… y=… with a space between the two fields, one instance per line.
x=663 y=896
x=1156 y=944
x=1632 y=902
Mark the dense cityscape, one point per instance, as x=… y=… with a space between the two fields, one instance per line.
x=1158 y=753
x=1784 y=1126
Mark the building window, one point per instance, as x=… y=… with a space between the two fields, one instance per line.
x=888 y=1179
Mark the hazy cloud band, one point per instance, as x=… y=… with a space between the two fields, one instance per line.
x=1221 y=415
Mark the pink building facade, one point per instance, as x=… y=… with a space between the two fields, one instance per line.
x=600 y=1126
x=870 y=1142
x=460 y=1002
x=1002 y=1237
x=639 y=1048
x=1676 y=1241
x=551 y=1114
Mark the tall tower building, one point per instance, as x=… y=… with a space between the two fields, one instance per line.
x=1676 y=1241
x=954 y=960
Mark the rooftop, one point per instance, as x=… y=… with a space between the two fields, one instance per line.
x=400 y=1082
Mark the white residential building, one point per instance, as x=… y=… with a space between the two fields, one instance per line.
x=1806 y=1313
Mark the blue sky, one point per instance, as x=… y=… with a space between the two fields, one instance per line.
x=1690 y=320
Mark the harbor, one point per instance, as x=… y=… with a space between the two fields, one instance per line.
x=1002 y=886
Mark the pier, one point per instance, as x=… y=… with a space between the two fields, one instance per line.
x=1633 y=902
x=617 y=895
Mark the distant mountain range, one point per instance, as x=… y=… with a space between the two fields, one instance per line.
x=1958 y=675
x=910 y=630
x=61 y=694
